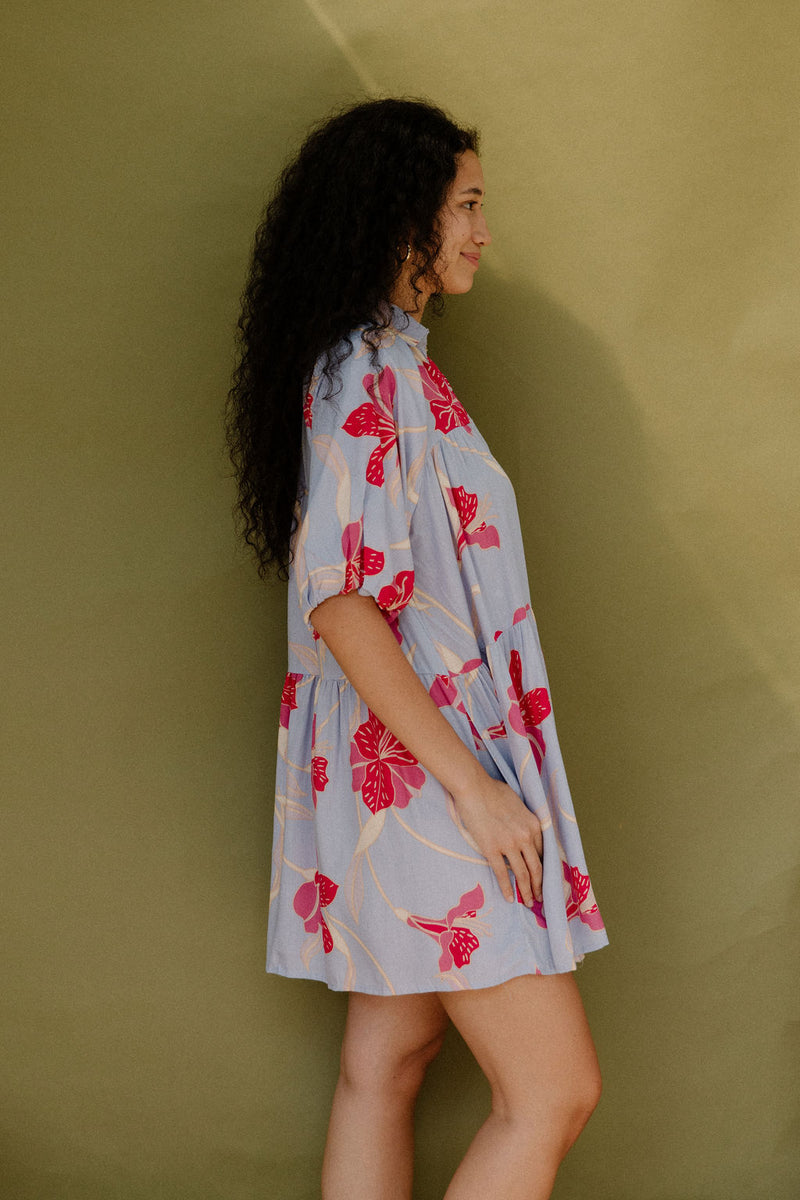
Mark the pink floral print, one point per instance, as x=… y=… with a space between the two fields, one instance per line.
x=289 y=696
x=580 y=902
x=445 y=693
x=537 y=908
x=319 y=776
x=396 y=595
x=360 y=560
x=528 y=709
x=473 y=530
x=310 y=899
x=383 y=770
x=393 y=598
x=319 y=766
x=376 y=419
x=456 y=941
x=448 y=412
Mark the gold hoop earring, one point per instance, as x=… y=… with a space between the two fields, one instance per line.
x=408 y=252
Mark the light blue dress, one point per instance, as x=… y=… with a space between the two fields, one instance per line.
x=375 y=885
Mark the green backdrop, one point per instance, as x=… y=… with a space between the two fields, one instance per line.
x=630 y=350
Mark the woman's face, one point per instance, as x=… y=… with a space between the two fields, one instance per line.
x=464 y=233
x=463 y=227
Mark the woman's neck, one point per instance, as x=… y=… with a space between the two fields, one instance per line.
x=405 y=296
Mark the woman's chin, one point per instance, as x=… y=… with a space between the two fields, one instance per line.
x=457 y=287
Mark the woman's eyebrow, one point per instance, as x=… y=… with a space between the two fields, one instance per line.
x=472 y=191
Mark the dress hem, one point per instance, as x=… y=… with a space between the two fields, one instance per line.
x=289 y=973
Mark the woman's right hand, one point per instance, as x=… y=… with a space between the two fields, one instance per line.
x=507 y=833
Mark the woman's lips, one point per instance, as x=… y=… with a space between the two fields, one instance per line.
x=473 y=258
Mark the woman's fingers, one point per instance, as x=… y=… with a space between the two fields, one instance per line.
x=525 y=859
x=528 y=876
x=534 y=865
x=524 y=856
x=500 y=867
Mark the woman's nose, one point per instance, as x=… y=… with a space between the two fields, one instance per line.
x=481 y=234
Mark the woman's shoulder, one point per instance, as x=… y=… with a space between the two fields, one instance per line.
x=400 y=342
x=385 y=360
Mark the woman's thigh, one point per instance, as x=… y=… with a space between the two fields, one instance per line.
x=531 y=1038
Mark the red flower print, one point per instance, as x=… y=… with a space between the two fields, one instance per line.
x=383 y=770
x=528 y=709
x=396 y=595
x=393 y=598
x=580 y=898
x=448 y=412
x=307 y=409
x=445 y=694
x=319 y=776
x=360 y=560
x=310 y=899
x=481 y=534
x=319 y=765
x=457 y=942
x=376 y=419
x=578 y=893
x=537 y=909
x=497 y=731
x=289 y=697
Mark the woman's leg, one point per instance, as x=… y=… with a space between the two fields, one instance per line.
x=531 y=1039
x=388 y=1043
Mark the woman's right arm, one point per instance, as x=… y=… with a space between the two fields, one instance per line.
x=355 y=631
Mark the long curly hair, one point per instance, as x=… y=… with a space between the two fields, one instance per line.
x=366 y=183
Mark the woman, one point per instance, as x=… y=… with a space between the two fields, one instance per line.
x=426 y=857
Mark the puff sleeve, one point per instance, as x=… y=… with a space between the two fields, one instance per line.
x=364 y=449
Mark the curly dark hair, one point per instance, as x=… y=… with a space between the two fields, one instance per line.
x=366 y=183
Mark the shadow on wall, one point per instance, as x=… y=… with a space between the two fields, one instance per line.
x=671 y=737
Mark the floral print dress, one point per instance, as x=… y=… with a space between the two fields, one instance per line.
x=375 y=885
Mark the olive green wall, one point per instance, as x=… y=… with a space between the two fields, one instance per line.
x=630 y=350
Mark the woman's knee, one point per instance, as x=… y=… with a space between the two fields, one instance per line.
x=377 y=1056
x=583 y=1100
x=371 y=1066
x=563 y=1107
x=575 y=1112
